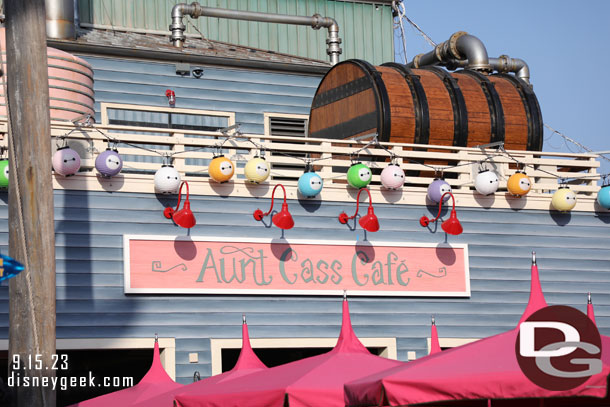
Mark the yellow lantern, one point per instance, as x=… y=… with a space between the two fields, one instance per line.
x=564 y=199
x=221 y=169
x=519 y=184
x=257 y=170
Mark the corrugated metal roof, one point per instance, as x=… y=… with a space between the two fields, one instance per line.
x=200 y=47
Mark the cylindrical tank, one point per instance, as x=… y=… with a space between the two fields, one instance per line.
x=70 y=84
x=425 y=106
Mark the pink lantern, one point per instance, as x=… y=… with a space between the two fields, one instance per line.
x=66 y=161
x=392 y=176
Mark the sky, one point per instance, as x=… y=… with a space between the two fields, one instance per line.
x=565 y=43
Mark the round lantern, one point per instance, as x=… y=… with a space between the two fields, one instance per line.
x=66 y=161
x=437 y=188
x=221 y=169
x=359 y=175
x=310 y=184
x=4 y=173
x=392 y=177
x=564 y=199
x=109 y=163
x=167 y=180
x=257 y=170
x=603 y=196
x=486 y=182
x=519 y=184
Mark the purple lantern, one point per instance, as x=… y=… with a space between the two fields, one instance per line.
x=436 y=190
x=109 y=163
x=66 y=161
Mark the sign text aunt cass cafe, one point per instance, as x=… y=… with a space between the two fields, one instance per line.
x=200 y=265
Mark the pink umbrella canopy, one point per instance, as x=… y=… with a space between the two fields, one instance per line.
x=156 y=381
x=247 y=363
x=435 y=346
x=314 y=381
x=485 y=369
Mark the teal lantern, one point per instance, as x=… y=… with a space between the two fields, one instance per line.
x=4 y=173
x=603 y=196
x=359 y=175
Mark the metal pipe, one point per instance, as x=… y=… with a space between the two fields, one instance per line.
x=504 y=64
x=195 y=10
x=60 y=19
x=461 y=47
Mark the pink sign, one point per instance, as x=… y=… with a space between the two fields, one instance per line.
x=202 y=265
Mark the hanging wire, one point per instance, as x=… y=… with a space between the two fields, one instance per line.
x=566 y=139
x=399 y=8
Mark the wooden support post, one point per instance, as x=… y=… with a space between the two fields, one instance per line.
x=31 y=223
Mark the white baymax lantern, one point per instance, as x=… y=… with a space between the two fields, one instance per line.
x=392 y=177
x=66 y=161
x=486 y=182
x=257 y=170
x=167 y=180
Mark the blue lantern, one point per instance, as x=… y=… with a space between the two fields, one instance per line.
x=310 y=184
x=603 y=196
x=9 y=267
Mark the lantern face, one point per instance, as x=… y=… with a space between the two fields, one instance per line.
x=603 y=197
x=257 y=170
x=486 y=182
x=3 y=173
x=519 y=184
x=66 y=161
x=437 y=188
x=564 y=199
x=359 y=175
x=221 y=169
x=109 y=163
x=167 y=180
x=310 y=184
x=392 y=177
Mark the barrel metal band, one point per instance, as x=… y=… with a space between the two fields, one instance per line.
x=420 y=102
x=349 y=128
x=532 y=111
x=458 y=104
x=341 y=92
x=496 y=112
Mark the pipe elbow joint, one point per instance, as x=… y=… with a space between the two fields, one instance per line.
x=465 y=46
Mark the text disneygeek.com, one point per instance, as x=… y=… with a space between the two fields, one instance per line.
x=64 y=383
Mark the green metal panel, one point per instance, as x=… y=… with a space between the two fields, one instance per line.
x=366 y=28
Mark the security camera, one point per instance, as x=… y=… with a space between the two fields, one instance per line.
x=197 y=72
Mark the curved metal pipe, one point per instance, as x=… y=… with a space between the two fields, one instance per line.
x=195 y=10
x=461 y=47
x=504 y=64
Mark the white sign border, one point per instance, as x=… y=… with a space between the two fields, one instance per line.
x=360 y=293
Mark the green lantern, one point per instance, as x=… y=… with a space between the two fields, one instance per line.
x=359 y=175
x=4 y=173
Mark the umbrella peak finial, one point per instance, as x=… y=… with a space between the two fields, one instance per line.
x=589 y=298
x=533 y=258
x=156 y=337
x=433 y=320
x=243 y=319
x=344 y=295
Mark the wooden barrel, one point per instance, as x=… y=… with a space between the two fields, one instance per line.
x=425 y=106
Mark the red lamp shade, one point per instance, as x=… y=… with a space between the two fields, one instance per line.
x=183 y=217
x=452 y=225
x=282 y=219
x=368 y=222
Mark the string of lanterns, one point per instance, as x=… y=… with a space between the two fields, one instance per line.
x=167 y=179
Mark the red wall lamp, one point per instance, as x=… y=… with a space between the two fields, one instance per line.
x=282 y=219
x=183 y=217
x=451 y=225
x=369 y=222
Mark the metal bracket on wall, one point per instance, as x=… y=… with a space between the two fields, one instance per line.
x=183 y=69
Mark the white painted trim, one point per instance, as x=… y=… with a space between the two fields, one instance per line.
x=217 y=345
x=451 y=342
x=104 y=106
x=128 y=290
x=167 y=347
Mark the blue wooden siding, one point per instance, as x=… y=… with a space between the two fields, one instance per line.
x=247 y=93
x=573 y=259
